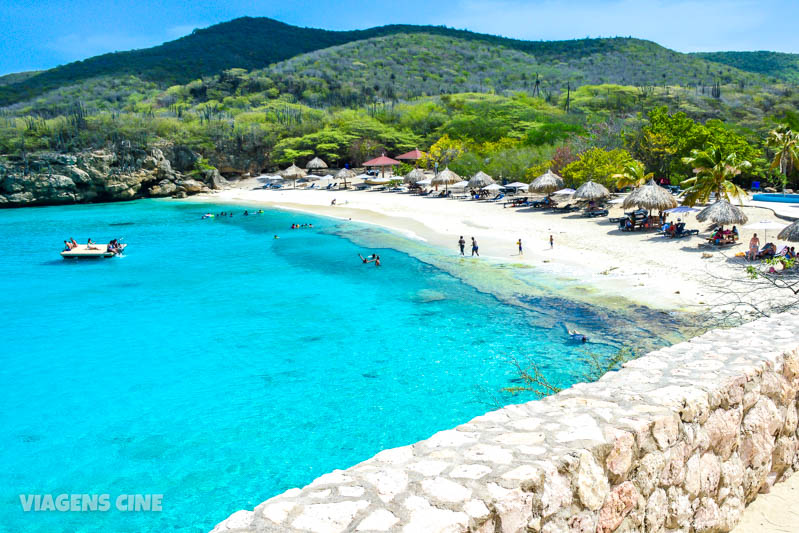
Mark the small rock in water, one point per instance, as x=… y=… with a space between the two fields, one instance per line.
x=429 y=295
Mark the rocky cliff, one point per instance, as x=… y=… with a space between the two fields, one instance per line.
x=103 y=176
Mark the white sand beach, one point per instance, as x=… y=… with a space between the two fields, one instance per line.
x=669 y=274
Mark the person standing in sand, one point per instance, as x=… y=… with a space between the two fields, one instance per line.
x=754 y=247
x=551 y=242
x=475 y=248
x=519 y=244
x=462 y=244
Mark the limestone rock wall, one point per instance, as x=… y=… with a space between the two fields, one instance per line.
x=677 y=441
x=101 y=176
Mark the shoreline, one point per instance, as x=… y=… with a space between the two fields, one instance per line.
x=589 y=272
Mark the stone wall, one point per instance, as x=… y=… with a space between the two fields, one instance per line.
x=679 y=440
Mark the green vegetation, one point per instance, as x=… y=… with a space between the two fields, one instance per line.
x=589 y=109
x=255 y=43
x=714 y=171
x=776 y=65
x=632 y=175
x=785 y=144
x=596 y=164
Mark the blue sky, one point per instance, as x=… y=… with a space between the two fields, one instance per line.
x=40 y=34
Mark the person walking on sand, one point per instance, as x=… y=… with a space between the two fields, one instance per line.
x=551 y=242
x=475 y=248
x=462 y=244
x=519 y=244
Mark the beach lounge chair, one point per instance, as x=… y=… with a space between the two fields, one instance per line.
x=768 y=251
x=498 y=197
x=568 y=208
x=682 y=232
x=596 y=212
x=546 y=202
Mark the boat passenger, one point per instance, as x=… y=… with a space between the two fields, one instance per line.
x=67 y=246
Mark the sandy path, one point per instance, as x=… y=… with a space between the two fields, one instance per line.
x=775 y=512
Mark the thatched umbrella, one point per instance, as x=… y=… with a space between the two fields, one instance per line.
x=293 y=173
x=480 y=180
x=413 y=176
x=722 y=212
x=650 y=196
x=547 y=183
x=446 y=177
x=345 y=174
x=316 y=164
x=790 y=233
x=590 y=190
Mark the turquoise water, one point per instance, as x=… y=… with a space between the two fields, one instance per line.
x=218 y=366
x=772 y=197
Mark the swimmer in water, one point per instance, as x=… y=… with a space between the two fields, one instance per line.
x=364 y=260
x=377 y=260
x=276 y=237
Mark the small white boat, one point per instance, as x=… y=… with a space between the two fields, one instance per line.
x=84 y=251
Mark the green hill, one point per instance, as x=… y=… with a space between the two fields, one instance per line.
x=256 y=43
x=416 y=64
x=778 y=66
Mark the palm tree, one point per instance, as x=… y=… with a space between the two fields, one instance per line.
x=713 y=173
x=786 y=143
x=633 y=175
